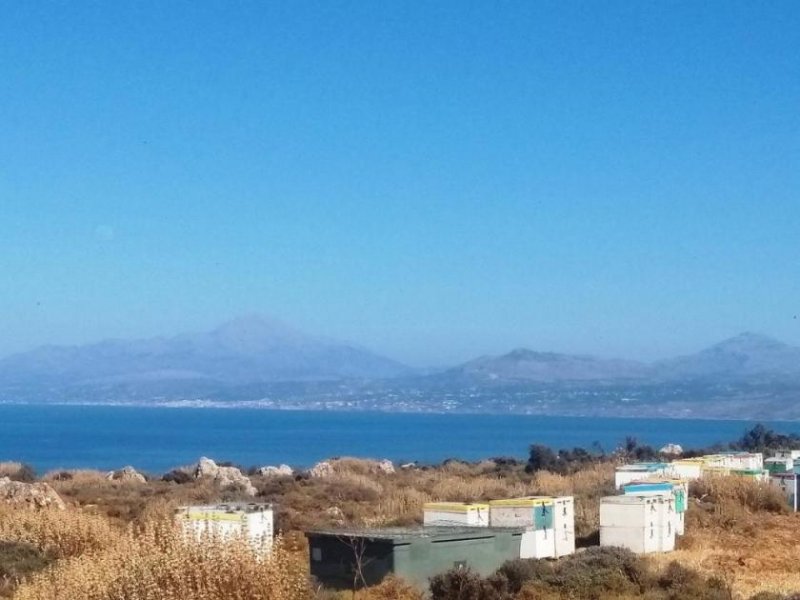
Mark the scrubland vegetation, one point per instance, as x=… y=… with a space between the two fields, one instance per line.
x=116 y=540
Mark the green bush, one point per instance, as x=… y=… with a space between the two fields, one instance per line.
x=600 y=572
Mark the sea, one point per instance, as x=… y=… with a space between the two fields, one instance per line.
x=156 y=439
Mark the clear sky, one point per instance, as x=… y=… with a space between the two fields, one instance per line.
x=433 y=180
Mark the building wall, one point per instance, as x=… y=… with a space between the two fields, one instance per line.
x=424 y=558
x=332 y=558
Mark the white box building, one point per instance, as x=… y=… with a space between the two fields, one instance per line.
x=676 y=489
x=564 y=525
x=252 y=523
x=627 y=473
x=787 y=483
x=643 y=524
x=689 y=468
x=791 y=454
x=536 y=514
x=455 y=514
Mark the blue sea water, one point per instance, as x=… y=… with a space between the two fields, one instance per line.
x=157 y=439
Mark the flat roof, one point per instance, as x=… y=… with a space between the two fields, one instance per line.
x=402 y=534
x=228 y=507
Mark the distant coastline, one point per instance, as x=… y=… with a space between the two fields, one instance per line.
x=277 y=406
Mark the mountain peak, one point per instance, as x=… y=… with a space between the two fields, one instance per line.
x=749 y=341
x=747 y=354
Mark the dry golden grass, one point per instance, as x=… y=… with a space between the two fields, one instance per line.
x=59 y=533
x=83 y=476
x=158 y=563
x=390 y=588
x=740 y=530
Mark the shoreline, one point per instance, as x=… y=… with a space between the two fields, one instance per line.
x=257 y=405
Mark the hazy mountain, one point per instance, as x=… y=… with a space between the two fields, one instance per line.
x=249 y=349
x=748 y=355
x=253 y=360
x=527 y=365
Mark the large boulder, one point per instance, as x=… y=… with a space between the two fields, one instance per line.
x=335 y=514
x=672 y=450
x=127 y=475
x=224 y=477
x=385 y=466
x=29 y=495
x=321 y=470
x=281 y=471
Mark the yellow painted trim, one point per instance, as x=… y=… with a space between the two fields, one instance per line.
x=454 y=506
x=523 y=502
x=213 y=517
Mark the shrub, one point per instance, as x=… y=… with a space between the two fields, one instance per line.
x=682 y=583
x=464 y=584
x=17 y=471
x=521 y=571
x=735 y=493
x=599 y=572
x=177 y=476
x=17 y=561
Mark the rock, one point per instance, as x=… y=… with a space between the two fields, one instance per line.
x=127 y=475
x=224 y=477
x=386 y=466
x=672 y=449
x=281 y=471
x=336 y=515
x=30 y=495
x=321 y=470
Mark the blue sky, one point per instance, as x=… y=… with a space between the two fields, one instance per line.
x=434 y=180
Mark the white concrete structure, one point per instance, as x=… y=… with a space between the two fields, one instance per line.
x=627 y=473
x=536 y=513
x=676 y=489
x=252 y=523
x=792 y=454
x=564 y=525
x=643 y=524
x=455 y=514
x=787 y=483
x=687 y=468
x=743 y=460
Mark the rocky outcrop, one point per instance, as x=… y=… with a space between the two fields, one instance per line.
x=29 y=495
x=386 y=466
x=225 y=478
x=127 y=475
x=321 y=470
x=362 y=466
x=672 y=450
x=281 y=471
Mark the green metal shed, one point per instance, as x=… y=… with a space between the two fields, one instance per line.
x=342 y=559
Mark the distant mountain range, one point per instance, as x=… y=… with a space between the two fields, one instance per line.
x=245 y=350
x=259 y=362
x=746 y=356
